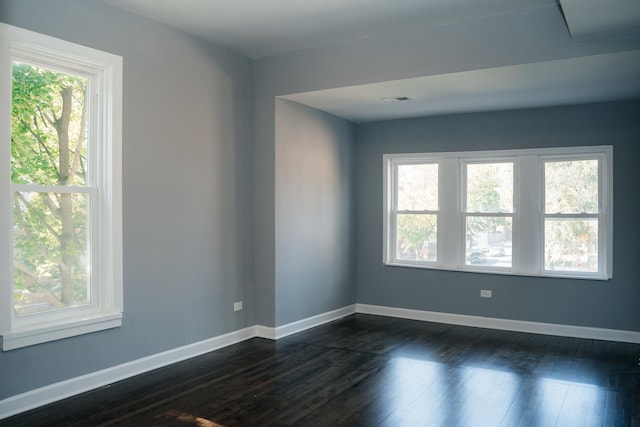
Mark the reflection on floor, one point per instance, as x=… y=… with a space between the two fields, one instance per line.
x=376 y=371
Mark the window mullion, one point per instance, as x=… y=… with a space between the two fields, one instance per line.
x=527 y=242
x=449 y=219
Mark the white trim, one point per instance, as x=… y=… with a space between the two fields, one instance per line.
x=312 y=322
x=61 y=390
x=104 y=184
x=267 y=332
x=503 y=324
x=18 y=339
x=527 y=217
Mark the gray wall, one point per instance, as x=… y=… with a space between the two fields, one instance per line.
x=200 y=181
x=187 y=191
x=533 y=35
x=314 y=200
x=604 y=304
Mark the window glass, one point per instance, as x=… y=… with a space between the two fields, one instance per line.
x=490 y=187
x=49 y=148
x=418 y=187
x=417 y=237
x=571 y=186
x=51 y=269
x=571 y=244
x=48 y=126
x=488 y=241
x=489 y=191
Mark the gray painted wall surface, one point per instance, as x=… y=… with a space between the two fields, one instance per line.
x=533 y=35
x=315 y=233
x=604 y=304
x=188 y=145
x=187 y=131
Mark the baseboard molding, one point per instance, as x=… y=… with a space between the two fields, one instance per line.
x=304 y=324
x=503 y=324
x=61 y=390
x=312 y=322
x=267 y=332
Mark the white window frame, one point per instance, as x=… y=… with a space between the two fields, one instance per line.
x=394 y=212
x=601 y=216
x=465 y=213
x=105 y=186
x=528 y=212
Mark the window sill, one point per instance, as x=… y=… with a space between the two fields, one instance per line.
x=510 y=272
x=32 y=336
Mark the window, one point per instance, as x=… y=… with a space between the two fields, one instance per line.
x=572 y=215
x=488 y=214
x=60 y=222
x=415 y=212
x=544 y=212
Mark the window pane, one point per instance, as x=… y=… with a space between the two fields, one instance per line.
x=418 y=187
x=489 y=187
x=571 y=186
x=488 y=241
x=416 y=237
x=571 y=244
x=50 y=251
x=48 y=127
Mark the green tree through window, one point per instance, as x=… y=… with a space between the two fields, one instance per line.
x=49 y=171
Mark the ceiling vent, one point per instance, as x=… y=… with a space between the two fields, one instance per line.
x=396 y=99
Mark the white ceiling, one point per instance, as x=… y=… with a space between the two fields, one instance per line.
x=562 y=82
x=258 y=28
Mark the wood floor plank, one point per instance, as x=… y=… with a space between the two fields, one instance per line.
x=367 y=370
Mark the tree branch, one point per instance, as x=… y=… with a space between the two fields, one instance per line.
x=20 y=217
x=45 y=117
x=40 y=142
x=81 y=140
x=43 y=221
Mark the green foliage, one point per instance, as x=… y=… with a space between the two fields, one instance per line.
x=413 y=230
x=48 y=148
x=571 y=187
x=417 y=191
x=489 y=190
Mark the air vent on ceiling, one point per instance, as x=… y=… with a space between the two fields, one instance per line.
x=396 y=99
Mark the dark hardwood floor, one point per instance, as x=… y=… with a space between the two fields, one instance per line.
x=375 y=371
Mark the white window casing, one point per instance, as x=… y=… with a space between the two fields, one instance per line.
x=528 y=216
x=103 y=188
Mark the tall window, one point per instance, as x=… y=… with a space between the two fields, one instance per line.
x=60 y=180
x=545 y=212
x=488 y=214
x=415 y=212
x=572 y=215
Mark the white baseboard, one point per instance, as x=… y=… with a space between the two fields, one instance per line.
x=503 y=324
x=267 y=332
x=42 y=396
x=312 y=322
x=61 y=390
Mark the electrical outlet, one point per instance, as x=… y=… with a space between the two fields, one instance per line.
x=237 y=306
x=484 y=293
